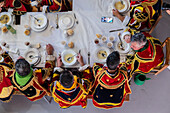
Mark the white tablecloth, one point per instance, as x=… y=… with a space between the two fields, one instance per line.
x=88 y=14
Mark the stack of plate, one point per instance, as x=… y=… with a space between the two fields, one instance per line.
x=66 y=21
x=126 y=4
x=32 y=56
x=39 y=22
x=5 y=18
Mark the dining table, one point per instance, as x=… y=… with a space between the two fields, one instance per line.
x=86 y=25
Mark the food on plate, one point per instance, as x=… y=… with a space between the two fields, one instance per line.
x=27 y=32
x=98 y=35
x=39 y=22
x=66 y=57
x=71 y=45
x=102 y=54
x=37 y=45
x=70 y=32
x=4 y=29
x=119 y=5
x=4 y=19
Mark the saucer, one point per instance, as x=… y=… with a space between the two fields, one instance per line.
x=66 y=21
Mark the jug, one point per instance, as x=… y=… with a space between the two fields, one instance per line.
x=140 y=79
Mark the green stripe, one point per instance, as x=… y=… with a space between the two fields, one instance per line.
x=23 y=80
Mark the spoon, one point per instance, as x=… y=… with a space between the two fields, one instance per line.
x=69 y=58
x=31 y=56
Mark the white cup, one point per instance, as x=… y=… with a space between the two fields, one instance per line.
x=111 y=38
x=109 y=44
x=63 y=43
x=96 y=41
x=104 y=39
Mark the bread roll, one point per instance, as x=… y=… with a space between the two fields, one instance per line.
x=98 y=35
x=71 y=45
x=27 y=32
x=4 y=29
x=70 y=32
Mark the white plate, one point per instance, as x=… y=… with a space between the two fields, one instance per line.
x=125 y=2
x=66 y=21
x=66 y=52
x=125 y=45
x=33 y=52
x=39 y=30
x=41 y=24
x=97 y=52
x=10 y=18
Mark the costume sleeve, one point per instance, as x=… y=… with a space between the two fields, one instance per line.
x=49 y=66
x=7 y=60
x=6 y=88
x=97 y=67
x=52 y=5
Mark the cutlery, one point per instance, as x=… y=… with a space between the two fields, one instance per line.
x=69 y=58
x=57 y=22
x=31 y=56
x=89 y=58
x=121 y=43
x=116 y=30
x=104 y=55
x=38 y=20
x=76 y=18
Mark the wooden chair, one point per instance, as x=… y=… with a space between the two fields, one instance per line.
x=159 y=17
x=157 y=70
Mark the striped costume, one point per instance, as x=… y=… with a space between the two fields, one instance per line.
x=109 y=91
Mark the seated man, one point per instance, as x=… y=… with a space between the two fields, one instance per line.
x=70 y=88
x=23 y=78
x=143 y=14
x=52 y=5
x=19 y=6
x=111 y=84
x=148 y=53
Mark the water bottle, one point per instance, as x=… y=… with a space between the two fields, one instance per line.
x=11 y=29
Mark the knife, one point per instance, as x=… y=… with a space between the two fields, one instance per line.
x=57 y=22
x=89 y=58
x=76 y=18
x=116 y=30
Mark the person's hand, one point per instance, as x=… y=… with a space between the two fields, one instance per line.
x=115 y=12
x=80 y=59
x=0 y=48
x=41 y=8
x=49 y=49
x=0 y=9
x=168 y=11
x=59 y=62
x=20 y=57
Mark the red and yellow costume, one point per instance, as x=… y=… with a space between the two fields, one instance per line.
x=109 y=91
x=76 y=94
x=148 y=57
x=57 y=5
x=143 y=14
x=20 y=6
x=33 y=89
